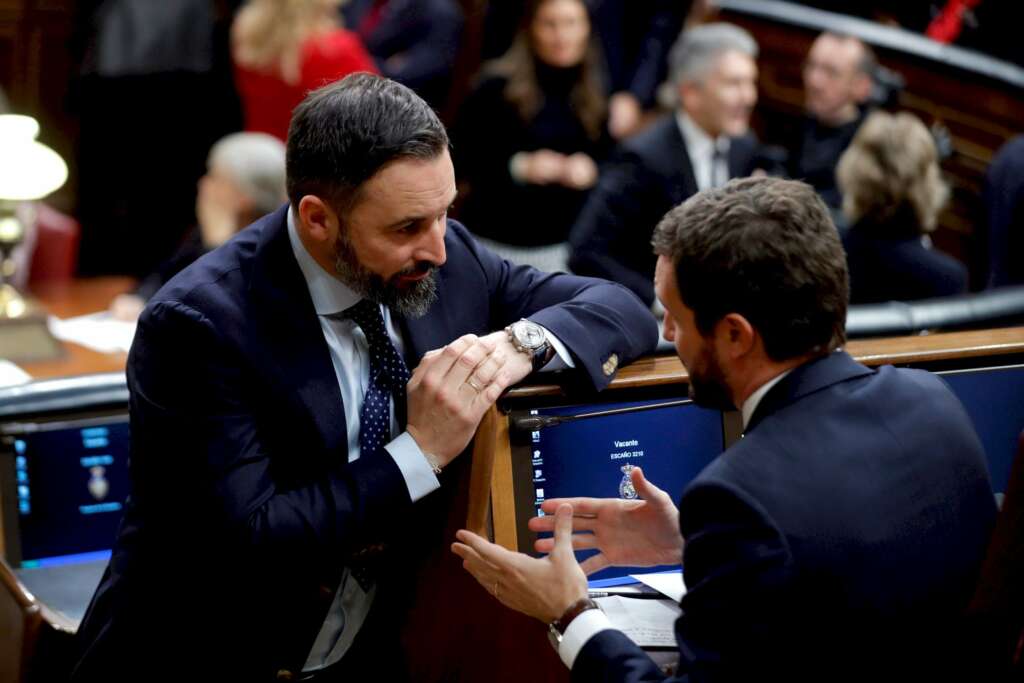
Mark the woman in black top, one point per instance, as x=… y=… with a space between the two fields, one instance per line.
x=892 y=194
x=530 y=136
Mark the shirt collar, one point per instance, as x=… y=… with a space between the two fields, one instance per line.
x=330 y=295
x=698 y=143
x=750 y=405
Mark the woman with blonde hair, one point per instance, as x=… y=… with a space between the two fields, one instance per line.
x=282 y=49
x=893 y=192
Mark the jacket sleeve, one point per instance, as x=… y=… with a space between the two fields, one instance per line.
x=652 y=63
x=738 y=569
x=593 y=318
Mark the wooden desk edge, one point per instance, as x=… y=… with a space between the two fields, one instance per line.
x=668 y=369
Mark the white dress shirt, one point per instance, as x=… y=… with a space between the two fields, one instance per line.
x=701 y=149
x=350 y=356
x=590 y=623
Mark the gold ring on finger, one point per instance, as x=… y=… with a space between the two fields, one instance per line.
x=473 y=384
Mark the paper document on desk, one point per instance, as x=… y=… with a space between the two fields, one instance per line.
x=98 y=331
x=669 y=584
x=648 y=623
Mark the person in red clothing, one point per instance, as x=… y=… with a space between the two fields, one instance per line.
x=282 y=49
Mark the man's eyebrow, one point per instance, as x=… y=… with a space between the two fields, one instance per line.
x=413 y=219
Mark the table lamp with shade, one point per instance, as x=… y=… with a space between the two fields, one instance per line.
x=29 y=170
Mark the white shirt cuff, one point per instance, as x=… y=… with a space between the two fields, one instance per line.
x=584 y=627
x=561 y=360
x=419 y=476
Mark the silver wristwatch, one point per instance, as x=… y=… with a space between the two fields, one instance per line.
x=529 y=338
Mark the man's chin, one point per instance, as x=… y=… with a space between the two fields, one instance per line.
x=710 y=395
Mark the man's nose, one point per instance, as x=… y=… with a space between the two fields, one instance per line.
x=431 y=247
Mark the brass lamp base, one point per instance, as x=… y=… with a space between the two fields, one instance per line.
x=24 y=335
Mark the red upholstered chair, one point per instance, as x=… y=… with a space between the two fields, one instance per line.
x=56 y=252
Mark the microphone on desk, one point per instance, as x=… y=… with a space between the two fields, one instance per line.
x=533 y=423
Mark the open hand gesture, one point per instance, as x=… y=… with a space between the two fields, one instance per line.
x=633 y=533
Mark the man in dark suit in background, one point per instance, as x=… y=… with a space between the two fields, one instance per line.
x=284 y=463
x=703 y=144
x=839 y=539
x=838 y=77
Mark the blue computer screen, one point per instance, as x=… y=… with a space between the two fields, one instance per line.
x=994 y=398
x=72 y=481
x=587 y=457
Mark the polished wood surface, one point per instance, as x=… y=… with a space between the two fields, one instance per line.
x=69 y=299
x=667 y=369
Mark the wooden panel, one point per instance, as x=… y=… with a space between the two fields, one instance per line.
x=504 y=513
x=668 y=369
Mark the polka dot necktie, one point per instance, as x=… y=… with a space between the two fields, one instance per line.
x=388 y=377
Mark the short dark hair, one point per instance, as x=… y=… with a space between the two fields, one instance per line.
x=767 y=249
x=343 y=133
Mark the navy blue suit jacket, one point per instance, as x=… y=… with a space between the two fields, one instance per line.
x=885 y=266
x=649 y=175
x=244 y=508
x=837 y=540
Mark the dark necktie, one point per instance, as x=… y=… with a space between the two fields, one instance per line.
x=388 y=377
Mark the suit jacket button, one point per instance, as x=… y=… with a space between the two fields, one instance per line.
x=326 y=592
x=285 y=675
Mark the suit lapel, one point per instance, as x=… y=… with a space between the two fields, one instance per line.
x=677 y=159
x=289 y=330
x=806 y=379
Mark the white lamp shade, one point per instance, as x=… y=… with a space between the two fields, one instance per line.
x=28 y=169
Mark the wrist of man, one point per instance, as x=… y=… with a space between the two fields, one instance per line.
x=557 y=628
x=530 y=340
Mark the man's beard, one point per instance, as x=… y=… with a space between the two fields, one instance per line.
x=708 y=387
x=412 y=300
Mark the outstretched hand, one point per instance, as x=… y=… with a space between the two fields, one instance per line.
x=541 y=588
x=632 y=533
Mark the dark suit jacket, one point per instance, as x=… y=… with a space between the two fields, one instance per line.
x=423 y=36
x=650 y=175
x=889 y=267
x=244 y=508
x=1004 y=205
x=837 y=540
x=636 y=38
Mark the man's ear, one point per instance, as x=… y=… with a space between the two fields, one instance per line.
x=318 y=222
x=735 y=335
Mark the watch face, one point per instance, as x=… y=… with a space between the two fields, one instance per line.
x=529 y=335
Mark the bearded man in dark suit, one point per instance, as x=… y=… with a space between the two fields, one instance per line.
x=284 y=457
x=839 y=539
